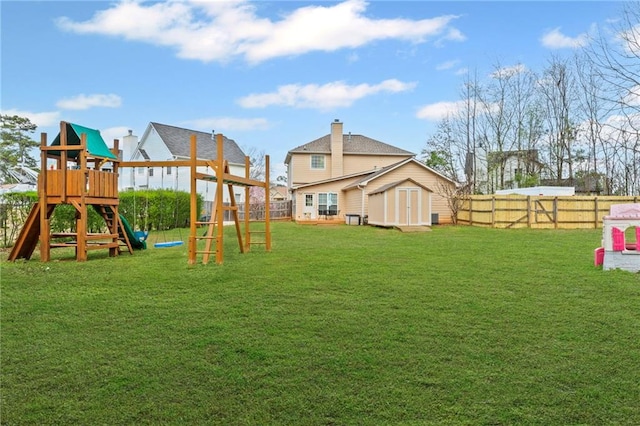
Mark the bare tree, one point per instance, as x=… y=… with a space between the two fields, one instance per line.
x=442 y=151
x=615 y=58
x=558 y=87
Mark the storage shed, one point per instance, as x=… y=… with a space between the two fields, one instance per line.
x=401 y=203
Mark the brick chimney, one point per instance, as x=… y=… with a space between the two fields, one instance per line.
x=336 y=148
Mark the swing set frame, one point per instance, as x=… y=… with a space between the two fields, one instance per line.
x=221 y=176
x=80 y=179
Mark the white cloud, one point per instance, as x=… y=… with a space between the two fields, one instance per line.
x=327 y=96
x=447 y=109
x=220 y=31
x=506 y=72
x=632 y=97
x=554 y=39
x=40 y=119
x=83 y=101
x=447 y=65
x=440 y=110
x=230 y=124
x=629 y=40
x=462 y=71
x=112 y=133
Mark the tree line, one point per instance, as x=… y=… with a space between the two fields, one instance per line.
x=574 y=123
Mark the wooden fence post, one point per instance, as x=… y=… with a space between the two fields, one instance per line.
x=493 y=211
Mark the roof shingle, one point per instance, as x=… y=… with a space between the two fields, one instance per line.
x=178 y=142
x=353 y=144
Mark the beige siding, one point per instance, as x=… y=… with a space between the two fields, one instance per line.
x=353 y=202
x=350 y=202
x=358 y=163
x=302 y=172
x=424 y=177
x=315 y=190
x=376 y=209
x=386 y=209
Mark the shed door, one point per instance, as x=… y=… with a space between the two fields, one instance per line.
x=408 y=206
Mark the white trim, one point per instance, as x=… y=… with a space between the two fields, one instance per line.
x=324 y=162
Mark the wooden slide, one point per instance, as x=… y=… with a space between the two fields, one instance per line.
x=29 y=235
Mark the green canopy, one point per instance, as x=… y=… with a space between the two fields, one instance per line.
x=96 y=146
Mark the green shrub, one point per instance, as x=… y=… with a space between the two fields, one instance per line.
x=158 y=209
x=14 y=209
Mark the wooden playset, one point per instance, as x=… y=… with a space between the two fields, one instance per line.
x=85 y=175
x=616 y=252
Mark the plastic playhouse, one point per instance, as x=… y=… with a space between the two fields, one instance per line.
x=616 y=253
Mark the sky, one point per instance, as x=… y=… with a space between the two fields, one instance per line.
x=272 y=75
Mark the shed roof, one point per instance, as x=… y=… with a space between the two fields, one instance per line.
x=388 y=186
x=178 y=142
x=96 y=146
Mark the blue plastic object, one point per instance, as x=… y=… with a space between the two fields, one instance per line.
x=168 y=244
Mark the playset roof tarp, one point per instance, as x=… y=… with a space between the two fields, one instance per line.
x=96 y=146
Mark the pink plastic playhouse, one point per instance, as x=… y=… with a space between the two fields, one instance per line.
x=616 y=253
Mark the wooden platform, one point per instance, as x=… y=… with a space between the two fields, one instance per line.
x=413 y=228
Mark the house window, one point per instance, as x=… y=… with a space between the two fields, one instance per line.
x=328 y=203
x=317 y=161
x=308 y=200
x=168 y=170
x=150 y=171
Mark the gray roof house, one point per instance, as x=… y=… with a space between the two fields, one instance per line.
x=331 y=178
x=163 y=142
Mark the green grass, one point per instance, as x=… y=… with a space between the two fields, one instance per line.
x=337 y=325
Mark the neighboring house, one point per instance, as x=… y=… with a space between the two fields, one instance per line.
x=507 y=170
x=161 y=142
x=279 y=193
x=339 y=176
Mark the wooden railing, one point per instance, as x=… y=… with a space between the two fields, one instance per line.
x=94 y=183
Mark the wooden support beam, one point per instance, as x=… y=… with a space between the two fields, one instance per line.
x=193 y=202
x=164 y=163
x=45 y=249
x=267 y=206
x=219 y=199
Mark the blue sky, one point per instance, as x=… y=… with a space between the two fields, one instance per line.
x=271 y=75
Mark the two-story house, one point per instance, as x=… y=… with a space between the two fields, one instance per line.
x=162 y=142
x=343 y=175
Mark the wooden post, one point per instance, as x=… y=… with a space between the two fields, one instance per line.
x=219 y=198
x=45 y=232
x=493 y=212
x=234 y=211
x=81 y=222
x=528 y=211
x=113 y=251
x=247 y=205
x=63 y=161
x=555 y=212
x=193 y=203
x=470 y=211
x=267 y=206
x=595 y=212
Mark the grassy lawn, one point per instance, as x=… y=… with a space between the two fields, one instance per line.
x=337 y=325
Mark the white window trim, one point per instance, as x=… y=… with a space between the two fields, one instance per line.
x=324 y=162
